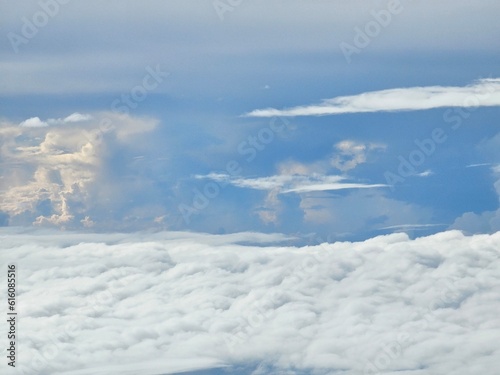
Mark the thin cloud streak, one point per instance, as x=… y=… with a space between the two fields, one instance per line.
x=412 y=226
x=290 y=183
x=482 y=93
x=478 y=165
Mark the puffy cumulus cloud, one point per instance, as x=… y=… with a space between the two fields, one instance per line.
x=482 y=93
x=345 y=156
x=172 y=302
x=349 y=154
x=35 y=122
x=271 y=208
x=482 y=222
x=50 y=172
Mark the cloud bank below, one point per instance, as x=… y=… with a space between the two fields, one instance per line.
x=482 y=93
x=386 y=304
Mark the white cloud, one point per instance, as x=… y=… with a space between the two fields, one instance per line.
x=349 y=154
x=172 y=302
x=426 y=173
x=477 y=165
x=33 y=122
x=290 y=183
x=77 y=117
x=482 y=93
x=51 y=173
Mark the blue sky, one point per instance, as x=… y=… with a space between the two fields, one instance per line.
x=165 y=136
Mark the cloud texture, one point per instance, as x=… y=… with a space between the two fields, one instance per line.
x=164 y=303
x=54 y=172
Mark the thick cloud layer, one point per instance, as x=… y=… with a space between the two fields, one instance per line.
x=169 y=302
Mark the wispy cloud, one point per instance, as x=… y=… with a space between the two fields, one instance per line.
x=412 y=226
x=477 y=165
x=426 y=173
x=482 y=93
x=290 y=183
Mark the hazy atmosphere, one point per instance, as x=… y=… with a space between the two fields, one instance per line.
x=255 y=187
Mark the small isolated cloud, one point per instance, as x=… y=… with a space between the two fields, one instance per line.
x=478 y=165
x=349 y=154
x=290 y=183
x=482 y=93
x=77 y=117
x=426 y=173
x=33 y=122
x=87 y=222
